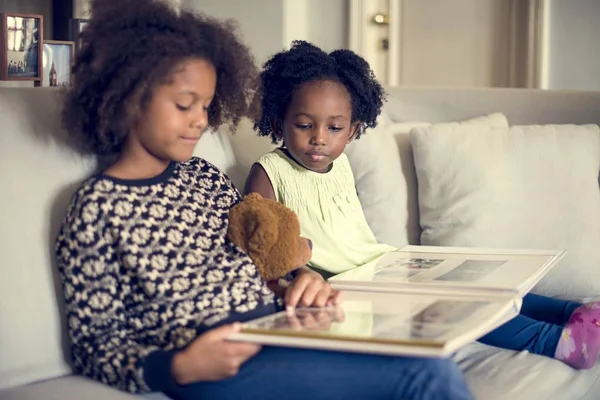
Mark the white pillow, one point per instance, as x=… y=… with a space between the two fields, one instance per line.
x=379 y=183
x=383 y=168
x=519 y=187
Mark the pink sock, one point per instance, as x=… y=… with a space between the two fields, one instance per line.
x=579 y=342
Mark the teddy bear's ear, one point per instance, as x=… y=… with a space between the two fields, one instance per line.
x=253 y=197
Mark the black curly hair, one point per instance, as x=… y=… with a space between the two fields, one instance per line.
x=130 y=47
x=304 y=62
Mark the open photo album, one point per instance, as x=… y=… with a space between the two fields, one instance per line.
x=416 y=301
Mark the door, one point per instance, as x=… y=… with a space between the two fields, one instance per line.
x=450 y=43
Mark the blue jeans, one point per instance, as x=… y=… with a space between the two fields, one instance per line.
x=536 y=329
x=296 y=374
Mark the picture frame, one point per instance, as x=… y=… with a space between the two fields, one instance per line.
x=77 y=25
x=57 y=60
x=21 y=37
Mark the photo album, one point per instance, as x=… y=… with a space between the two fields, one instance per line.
x=416 y=301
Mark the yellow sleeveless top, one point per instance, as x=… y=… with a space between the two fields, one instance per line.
x=329 y=211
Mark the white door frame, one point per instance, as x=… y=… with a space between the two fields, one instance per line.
x=528 y=46
x=363 y=33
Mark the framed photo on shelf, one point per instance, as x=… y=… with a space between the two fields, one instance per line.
x=77 y=26
x=21 y=47
x=57 y=60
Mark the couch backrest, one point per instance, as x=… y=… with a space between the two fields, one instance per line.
x=520 y=106
x=38 y=174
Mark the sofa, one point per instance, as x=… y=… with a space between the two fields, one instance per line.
x=39 y=171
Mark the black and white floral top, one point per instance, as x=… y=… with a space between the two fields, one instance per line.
x=146 y=267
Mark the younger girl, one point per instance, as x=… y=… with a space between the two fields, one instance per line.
x=316 y=103
x=152 y=286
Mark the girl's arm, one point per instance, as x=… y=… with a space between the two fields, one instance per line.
x=258 y=182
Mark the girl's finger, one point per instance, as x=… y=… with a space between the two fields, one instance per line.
x=294 y=292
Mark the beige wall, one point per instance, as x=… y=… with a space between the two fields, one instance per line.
x=260 y=21
x=81 y=7
x=268 y=26
x=327 y=23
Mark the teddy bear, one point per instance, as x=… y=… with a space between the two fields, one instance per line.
x=269 y=233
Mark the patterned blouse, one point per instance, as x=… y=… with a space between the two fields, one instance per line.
x=146 y=267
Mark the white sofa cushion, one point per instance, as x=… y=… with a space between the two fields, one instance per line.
x=386 y=183
x=499 y=374
x=380 y=183
x=73 y=388
x=215 y=148
x=524 y=186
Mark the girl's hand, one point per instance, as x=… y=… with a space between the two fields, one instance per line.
x=210 y=357
x=310 y=289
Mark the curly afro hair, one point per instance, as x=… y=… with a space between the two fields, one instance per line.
x=286 y=71
x=130 y=47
